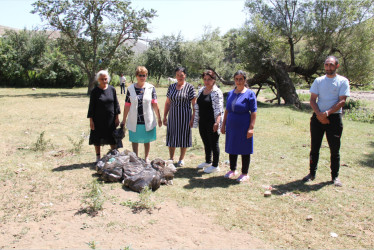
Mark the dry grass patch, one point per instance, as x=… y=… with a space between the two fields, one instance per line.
x=41 y=189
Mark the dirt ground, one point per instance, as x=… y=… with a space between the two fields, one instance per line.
x=169 y=226
x=357 y=95
x=59 y=224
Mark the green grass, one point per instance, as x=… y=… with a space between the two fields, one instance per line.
x=282 y=144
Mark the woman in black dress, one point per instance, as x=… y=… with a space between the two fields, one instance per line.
x=103 y=113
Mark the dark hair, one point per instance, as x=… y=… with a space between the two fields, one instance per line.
x=241 y=72
x=333 y=57
x=182 y=69
x=209 y=73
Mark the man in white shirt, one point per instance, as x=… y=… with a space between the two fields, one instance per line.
x=331 y=90
x=122 y=82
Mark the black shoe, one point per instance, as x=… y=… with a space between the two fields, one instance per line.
x=309 y=177
x=337 y=182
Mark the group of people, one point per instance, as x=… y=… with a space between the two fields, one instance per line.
x=184 y=109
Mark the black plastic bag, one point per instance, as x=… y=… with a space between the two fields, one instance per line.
x=118 y=135
x=149 y=177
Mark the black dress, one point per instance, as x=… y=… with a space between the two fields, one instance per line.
x=103 y=109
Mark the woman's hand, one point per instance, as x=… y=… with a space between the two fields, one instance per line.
x=116 y=122
x=165 y=121
x=191 y=122
x=250 y=133
x=215 y=127
x=223 y=129
x=92 y=125
x=159 y=122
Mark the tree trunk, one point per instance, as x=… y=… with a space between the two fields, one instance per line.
x=285 y=87
x=91 y=83
x=292 y=51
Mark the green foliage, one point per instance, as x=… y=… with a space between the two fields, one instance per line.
x=290 y=121
x=21 y=53
x=304 y=97
x=356 y=110
x=58 y=69
x=41 y=143
x=361 y=115
x=145 y=201
x=77 y=145
x=163 y=56
x=121 y=60
x=92 y=31
x=92 y=244
x=30 y=59
x=94 y=198
x=302 y=33
x=207 y=52
x=357 y=54
x=353 y=104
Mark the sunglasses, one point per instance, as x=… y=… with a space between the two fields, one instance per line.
x=142 y=75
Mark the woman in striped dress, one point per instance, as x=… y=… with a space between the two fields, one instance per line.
x=179 y=99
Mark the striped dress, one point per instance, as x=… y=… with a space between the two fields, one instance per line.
x=178 y=129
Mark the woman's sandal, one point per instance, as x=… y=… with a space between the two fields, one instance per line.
x=243 y=178
x=230 y=174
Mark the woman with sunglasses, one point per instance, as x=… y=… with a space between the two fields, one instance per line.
x=139 y=112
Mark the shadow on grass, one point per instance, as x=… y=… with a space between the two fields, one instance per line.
x=47 y=95
x=368 y=159
x=298 y=186
x=196 y=179
x=90 y=165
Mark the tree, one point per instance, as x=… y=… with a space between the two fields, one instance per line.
x=92 y=30
x=316 y=28
x=209 y=52
x=163 y=55
x=58 y=69
x=21 y=54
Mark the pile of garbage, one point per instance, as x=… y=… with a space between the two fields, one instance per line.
x=133 y=172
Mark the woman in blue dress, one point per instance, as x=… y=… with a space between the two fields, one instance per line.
x=238 y=125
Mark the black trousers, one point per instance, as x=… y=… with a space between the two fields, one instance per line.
x=122 y=86
x=333 y=134
x=246 y=160
x=211 y=142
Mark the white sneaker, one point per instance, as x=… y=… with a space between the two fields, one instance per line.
x=181 y=163
x=204 y=165
x=211 y=169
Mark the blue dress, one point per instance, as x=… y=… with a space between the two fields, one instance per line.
x=239 y=108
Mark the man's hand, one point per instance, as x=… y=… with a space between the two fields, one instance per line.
x=322 y=118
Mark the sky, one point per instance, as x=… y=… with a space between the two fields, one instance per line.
x=187 y=17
